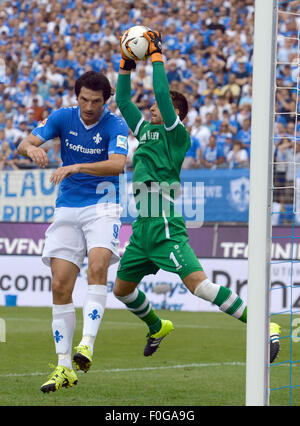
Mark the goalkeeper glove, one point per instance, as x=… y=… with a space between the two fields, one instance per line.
x=155 y=45
x=126 y=64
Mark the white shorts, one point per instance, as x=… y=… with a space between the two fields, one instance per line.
x=76 y=230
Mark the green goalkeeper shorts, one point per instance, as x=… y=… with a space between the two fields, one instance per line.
x=158 y=243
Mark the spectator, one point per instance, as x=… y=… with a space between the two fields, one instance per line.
x=6 y=153
x=25 y=75
x=201 y=132
x=173 y=72
x=22 y=93
x=53 y=76
x=222 y=105
x=139 y=96
x=208 y=106
x=238 y=156
x=43 y=85
x=23 y=131
x=242 y=73
x=232 y=124
x=20 y=116
x=285 y=104
x=243 y=112
x=36 y=110
x=33 y=95
x=244 y=135
x=31 y=122
x=111 y=74
x=51 y=102
x=9 y=109
x=290 y=130
x=192 y=155
x=193 y=111
x=212 y=124
x=12 y=134
x=212 y=155
x=69 y=97
x=224 y=135
x=144 y=78
x=232 y=87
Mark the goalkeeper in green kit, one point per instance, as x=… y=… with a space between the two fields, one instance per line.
x=159 y=239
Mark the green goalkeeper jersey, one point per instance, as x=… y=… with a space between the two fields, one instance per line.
x=162 y=148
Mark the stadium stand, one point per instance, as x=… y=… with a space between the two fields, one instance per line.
x=208 y=53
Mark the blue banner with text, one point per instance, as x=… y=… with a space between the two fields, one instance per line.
x=220 y=195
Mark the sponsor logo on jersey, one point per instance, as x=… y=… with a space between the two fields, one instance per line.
x=73 y=133
x=82 y=149
x=149 y=136
x=122 y=141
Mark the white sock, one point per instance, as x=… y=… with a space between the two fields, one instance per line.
x=227 y=300
x=207 y=290
x=63 y=326
x=93 y=311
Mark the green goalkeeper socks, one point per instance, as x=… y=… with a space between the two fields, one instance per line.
x=140 y=306
x=228 y=301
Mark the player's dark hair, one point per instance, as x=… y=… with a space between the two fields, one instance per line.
x=94 y=81
x=180 y=102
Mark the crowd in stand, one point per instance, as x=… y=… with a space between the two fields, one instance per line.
x=208 y=52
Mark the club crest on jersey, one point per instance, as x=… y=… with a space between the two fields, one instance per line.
x=97 y=139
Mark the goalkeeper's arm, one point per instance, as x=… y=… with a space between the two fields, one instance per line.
x=129 y=110
x=160 y=80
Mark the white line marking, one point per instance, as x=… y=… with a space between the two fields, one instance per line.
x=124 y=370
x=116 y=323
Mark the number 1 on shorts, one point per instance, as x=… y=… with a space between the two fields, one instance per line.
x=177 y=264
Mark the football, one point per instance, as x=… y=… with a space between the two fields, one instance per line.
x=134 y=44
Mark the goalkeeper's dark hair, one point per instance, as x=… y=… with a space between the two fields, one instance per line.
x=180 y=102
x=94 y=81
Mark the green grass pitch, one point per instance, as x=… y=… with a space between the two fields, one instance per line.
x=201 y=363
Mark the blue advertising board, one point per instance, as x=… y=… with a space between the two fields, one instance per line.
x=220 y=195
x=226 y=193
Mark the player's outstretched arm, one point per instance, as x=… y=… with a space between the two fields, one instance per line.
x=114 y=166
x=160 y=80
x=129 y=110
x=30 y=147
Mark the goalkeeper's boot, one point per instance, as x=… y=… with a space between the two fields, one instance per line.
x=83 y=358
x=274 y=341
x=60 y=377
x=155 y=339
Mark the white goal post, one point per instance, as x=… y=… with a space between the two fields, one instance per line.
x=261 y=175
